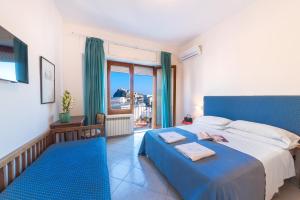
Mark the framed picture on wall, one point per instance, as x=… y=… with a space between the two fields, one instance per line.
x=47 y=77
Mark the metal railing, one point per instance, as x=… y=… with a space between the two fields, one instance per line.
x=142 y=116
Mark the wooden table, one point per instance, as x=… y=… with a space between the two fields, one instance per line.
x=296 y=155
x=76 y=121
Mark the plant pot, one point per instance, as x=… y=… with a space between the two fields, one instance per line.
x=64 y=117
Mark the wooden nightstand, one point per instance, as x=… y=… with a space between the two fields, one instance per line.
x=76 y=121
x=297 y=163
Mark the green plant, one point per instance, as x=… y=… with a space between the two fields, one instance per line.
x=67 y=101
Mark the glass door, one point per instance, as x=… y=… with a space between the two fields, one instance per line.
x=143 y=96
x=136 y=89
x=120 y=88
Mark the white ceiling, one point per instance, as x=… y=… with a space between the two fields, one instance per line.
x=168 y=21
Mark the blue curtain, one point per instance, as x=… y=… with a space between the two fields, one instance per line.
x=94 y=95
x=166 y=90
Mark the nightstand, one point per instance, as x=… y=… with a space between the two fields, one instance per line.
x=297 y=163
x=76 y=121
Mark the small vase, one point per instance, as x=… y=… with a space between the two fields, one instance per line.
x=64 y=117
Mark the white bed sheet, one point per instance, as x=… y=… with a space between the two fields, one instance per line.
x=278 y=162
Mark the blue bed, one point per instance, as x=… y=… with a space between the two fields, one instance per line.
x=72 y=170
x=229 y=174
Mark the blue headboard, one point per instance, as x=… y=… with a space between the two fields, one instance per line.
x=280 y=111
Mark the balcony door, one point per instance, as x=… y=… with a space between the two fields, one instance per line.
x=120 y=88
x=143 y=96
x=136 y=89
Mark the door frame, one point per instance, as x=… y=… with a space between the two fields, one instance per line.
x=131 y=72
x=154 y=88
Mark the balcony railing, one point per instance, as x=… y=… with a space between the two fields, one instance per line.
x=142 y=116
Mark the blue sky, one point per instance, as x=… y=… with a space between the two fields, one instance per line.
x=142 y=84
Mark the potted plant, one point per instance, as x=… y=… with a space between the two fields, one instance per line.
x=67 y=102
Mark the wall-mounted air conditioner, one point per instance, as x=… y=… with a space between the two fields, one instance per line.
x=191 y=52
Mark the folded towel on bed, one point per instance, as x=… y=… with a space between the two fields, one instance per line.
x=194 y=151
x=171 y=137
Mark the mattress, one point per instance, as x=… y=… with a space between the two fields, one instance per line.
x=72 y=170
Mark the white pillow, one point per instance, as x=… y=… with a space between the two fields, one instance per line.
x=210 y=126
x=264 y=130
x=259 y=138
x=212 y=120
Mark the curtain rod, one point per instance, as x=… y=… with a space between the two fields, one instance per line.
x=118 y=43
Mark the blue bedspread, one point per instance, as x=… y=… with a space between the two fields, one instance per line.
x=229 y=175
x=72 y=170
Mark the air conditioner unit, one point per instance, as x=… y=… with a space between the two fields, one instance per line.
x=191 y=52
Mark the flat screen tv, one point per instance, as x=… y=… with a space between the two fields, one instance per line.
x=13 y=58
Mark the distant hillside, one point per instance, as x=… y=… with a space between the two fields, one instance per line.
x=120 y=93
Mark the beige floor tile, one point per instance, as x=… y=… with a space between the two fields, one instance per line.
x=127 y=191
x=136 y=176
x=120 y=171
x=114 y=183
x=288 y=192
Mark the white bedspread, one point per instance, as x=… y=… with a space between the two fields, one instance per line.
x=278 y=163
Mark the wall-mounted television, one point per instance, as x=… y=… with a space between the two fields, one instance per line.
x=13 y=58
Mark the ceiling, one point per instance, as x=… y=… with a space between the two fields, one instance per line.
x=168 y=21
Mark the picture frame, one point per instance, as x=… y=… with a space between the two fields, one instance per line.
x=47 y=81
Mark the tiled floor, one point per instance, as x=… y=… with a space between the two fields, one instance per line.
x=133 y=177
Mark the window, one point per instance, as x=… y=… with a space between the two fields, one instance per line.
x=136 y=89
x=120 y=87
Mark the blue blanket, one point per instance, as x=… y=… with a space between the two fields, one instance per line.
x=72 y=170
x=229 y=174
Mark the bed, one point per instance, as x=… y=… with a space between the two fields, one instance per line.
x=242 y=168
x=67 y=170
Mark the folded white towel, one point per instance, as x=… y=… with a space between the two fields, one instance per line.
x=171 y=137
x=194 y=151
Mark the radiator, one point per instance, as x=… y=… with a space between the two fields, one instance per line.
x=117 y=125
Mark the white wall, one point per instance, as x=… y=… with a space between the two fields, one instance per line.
x=74 y=41
x=255 y=52
x=22 y=117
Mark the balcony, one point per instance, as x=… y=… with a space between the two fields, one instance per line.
x=142 y=116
